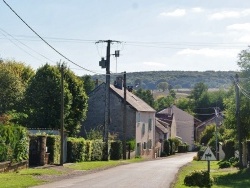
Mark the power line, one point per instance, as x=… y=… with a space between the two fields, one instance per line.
x=46 y=41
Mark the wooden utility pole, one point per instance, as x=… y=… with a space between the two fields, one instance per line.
x=106 y=64
x=216 y=132
x=236 y=81
x=124 y=117
x=62 y=114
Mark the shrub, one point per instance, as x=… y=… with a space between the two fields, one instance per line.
x=54 y=148
x=172 y=146
x=131 y=144
x=97 y=146
x=116 y=150
x=224 y=164
x=75 y=149
x=14 y=143
x=166 y=147
x=88 y=150
x=200 y=178
x=228 y=148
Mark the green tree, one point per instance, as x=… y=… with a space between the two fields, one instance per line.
x=12 y=91
x=163 y=86
x=172 y=93
x=145 y=95
x=89 y=83
x=198 y=90
x=78 y=107
x=163 y=102
x=43 y=98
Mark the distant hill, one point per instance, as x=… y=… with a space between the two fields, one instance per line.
x=177 y=79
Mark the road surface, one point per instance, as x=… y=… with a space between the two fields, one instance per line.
x=155 y=174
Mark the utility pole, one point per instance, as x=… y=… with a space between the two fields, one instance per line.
x=106 y=64
x=62 y=114
x=236 y=81
x=124 y=117
x=216 y=132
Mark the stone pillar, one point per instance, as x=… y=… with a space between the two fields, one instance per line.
x=42 y=141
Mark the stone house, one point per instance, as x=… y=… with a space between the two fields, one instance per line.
x=140 y=118
x=182 y=124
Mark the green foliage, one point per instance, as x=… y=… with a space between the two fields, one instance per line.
x=145 y=95
x=207 y=134
x=14 y=143
x=163 y=102
x=78 y=106
x=43 y=98
x=224 y=164
x=182 y=148
x=178 y=79
x=172 y=146
x=76 y=149
x=229 y=149
x=95 y=133
x=200 y=178
x=97 y=146
x=132 y=144
x=89 y=83
x=88 y=150
x=54 y=147
x=116 y=150
x=166 y=147
x=163 y=86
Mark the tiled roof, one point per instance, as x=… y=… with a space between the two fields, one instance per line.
x=133 y=100
x=160 y=125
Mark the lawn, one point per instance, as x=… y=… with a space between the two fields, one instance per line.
x=101 y=164
x=24 y=178
x=224 y=178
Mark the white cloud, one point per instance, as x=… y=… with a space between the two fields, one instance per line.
x=175 y=13
x=245 y=39
x=197 y=9
x=239 y=27
x=154 y=64
x=229 y=14
x=208 y=52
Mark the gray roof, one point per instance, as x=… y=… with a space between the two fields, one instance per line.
x=161 y=125
x=133 y=100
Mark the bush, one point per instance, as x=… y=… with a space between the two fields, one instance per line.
x=224 y=164
x=228 y=148
x=97 y=151
x=75 y=149
x=200 y=178
x=88 y=150
x=131 y=144
x=116 y=150
x=166 y=147
x=14 y=143
x=172 y=146
x=54 y=147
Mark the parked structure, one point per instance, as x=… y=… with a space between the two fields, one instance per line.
x=140 y=118
x=182 y=124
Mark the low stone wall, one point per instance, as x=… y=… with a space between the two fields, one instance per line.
x=11 y=167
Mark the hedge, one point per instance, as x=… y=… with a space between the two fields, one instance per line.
x=14 y=143
x=97 y=146
x=76 y=149
x=116 y=150
x=166 y=147
x=54 y=148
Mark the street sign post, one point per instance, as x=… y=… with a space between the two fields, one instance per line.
x=208 y=156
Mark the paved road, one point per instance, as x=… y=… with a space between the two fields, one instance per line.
x=149 y=174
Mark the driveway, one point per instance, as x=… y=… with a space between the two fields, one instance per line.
x=156 y=174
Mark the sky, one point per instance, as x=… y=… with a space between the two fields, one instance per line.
x=159 y=35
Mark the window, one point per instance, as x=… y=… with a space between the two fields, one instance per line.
x=149 y=124
x=143 y=129
x=149 y=144
x=144 y=145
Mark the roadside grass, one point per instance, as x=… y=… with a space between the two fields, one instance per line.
x=24 y=178
x=224 y=178
x=91 y=165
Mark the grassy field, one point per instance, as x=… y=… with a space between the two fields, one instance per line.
x=224 y=178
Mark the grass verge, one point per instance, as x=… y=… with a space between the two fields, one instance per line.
x=24 y=178
x=92 y=165
x=224 y=178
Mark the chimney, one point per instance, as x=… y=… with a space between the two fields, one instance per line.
x=118 y=82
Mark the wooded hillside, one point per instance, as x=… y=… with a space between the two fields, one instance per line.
x=177 y=79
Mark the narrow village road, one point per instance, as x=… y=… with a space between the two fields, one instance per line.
x=149 y=174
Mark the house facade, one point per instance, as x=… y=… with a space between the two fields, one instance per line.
x=182 y=124
x=140 y=118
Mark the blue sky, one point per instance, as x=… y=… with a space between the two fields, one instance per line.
x=186 y=35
